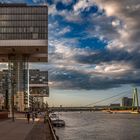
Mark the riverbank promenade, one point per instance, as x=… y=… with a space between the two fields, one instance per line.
x=21 y=130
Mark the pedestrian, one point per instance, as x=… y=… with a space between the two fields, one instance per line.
x=33 y=117
x=36 y=114
x=28 y=117
x=44 y=118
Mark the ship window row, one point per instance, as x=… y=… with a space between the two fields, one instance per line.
x=23 y=17
x=23 y=23
x=23 y=10
x=22 y=36
x=23 y=30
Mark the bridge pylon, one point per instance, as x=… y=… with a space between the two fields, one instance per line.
x=135 y=102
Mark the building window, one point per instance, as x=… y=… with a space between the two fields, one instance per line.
x=35 y=36
x=23 y=23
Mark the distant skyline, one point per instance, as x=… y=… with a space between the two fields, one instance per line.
x=94 y=49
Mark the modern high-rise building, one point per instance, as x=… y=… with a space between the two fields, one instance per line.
x=127 y=102
x=23 y=39
x=38 y=85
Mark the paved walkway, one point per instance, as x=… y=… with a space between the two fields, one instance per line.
x=40 y=131
x=20 y=129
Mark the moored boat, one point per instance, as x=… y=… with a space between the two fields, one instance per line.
x=58 y=123
x=53 y=116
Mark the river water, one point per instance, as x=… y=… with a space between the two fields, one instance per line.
x=99 y=126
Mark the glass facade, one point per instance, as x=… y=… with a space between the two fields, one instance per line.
x=23 y=22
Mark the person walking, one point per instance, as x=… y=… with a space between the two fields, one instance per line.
x=33 y=117
x=28 y=117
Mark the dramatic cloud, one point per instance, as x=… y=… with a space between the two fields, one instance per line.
x=93 y=44
x=116 y=23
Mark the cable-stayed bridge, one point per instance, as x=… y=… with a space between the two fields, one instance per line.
x=96 y=106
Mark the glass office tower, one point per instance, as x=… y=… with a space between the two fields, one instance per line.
x=23 y=22
x=24 y=30
x=23 y=39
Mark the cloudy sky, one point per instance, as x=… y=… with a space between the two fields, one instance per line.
x=94 y=49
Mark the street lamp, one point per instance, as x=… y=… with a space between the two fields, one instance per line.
x=12 y=97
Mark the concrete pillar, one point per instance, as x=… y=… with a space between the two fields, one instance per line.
x=20 y=73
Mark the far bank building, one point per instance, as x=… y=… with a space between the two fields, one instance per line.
x=23 y=39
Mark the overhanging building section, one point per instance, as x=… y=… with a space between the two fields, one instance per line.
x=36 y=50
x=39 y=90
x=24 y=30
x=38 y=83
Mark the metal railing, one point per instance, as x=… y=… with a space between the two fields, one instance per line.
x=52 y=130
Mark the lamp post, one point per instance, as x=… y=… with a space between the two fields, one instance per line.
x=12 y=98
x=13 y=118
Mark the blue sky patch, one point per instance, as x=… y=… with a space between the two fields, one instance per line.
x=92 y=43
x=88 y=11
x=60 y=6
